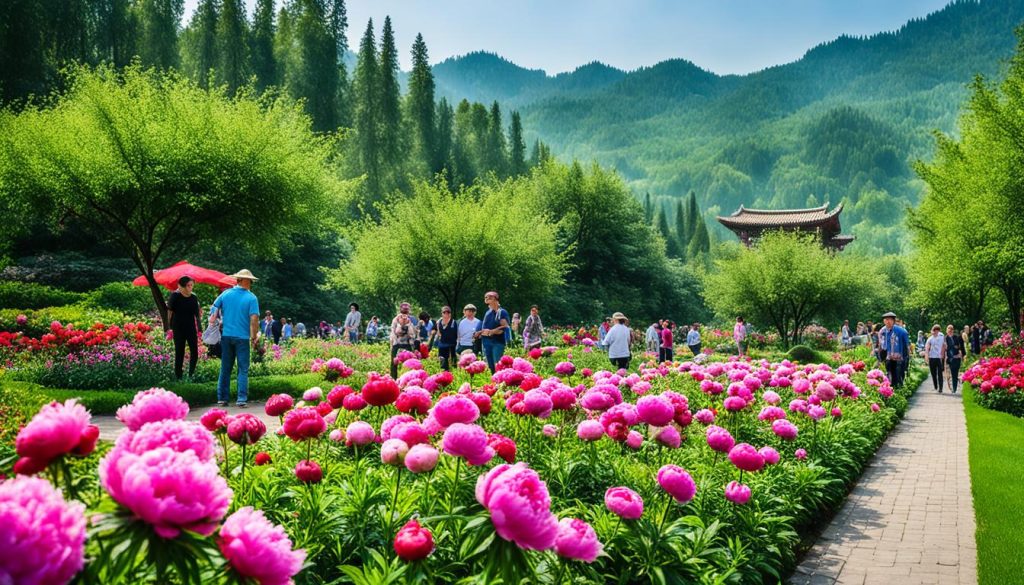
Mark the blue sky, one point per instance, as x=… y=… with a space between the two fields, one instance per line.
x=724 y=36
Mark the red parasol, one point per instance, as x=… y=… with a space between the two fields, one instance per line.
x=169 y=276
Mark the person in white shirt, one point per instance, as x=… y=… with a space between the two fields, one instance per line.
x=693 y=339
x=352 y=322
x=617 y=341
x=935 y=350
x=467 y=329
x=653 y=338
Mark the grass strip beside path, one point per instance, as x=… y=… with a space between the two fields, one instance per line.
x=997 y=474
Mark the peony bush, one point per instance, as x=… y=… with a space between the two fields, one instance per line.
x=542 y=473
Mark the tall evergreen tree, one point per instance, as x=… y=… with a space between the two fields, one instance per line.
x=158 y=22
x=701 y=242
x=261 y=45
x=682 y=221
x=69 y=30
x=200 y=46
x=366 y=114
x=422 y=110
x=693 y=216
x=517 y=153
x=231 y=32
x=338 y=19
x=24 y=67
x=496 y=146
x=671 y=242
x=389 y=99
x=648 y=209
x=444 y=136
x=313 y=75
x=115 y=29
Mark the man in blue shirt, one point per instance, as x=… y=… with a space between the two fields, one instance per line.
x=897 y=344
x=693 y=339
x=240 y=312
x=492 y=331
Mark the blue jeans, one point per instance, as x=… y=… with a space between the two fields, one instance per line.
x=353 y=336
x=230 y=348
x=493 y=351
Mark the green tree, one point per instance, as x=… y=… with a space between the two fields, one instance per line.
x=422 y=110
x=367 y=112
x=439 y=246
x=231 y=34
x=200 y=50
x=312 y=73
x=787 y=281
x=683 y=234
x=701 y=242
x=158 y=31
x=517 y=153
x=155 y=165
x=261 y=45
x=648 y=209
x=388 y=97
x=495 y=147
x=445 y=134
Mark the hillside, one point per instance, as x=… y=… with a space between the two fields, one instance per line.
x=843 y=123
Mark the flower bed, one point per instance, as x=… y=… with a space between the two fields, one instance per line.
x=552 y=470
x=998 y=376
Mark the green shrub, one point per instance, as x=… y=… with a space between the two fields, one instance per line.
x=123 y=297
x=30 y=295
x=39 y=320
x=19 y=402
x=804 y=355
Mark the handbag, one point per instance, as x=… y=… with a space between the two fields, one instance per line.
x=211 y=336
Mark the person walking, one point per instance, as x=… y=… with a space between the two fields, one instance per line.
x=976 y=339
x=300 y=329
x=739 y=335
x=954 y=357
x=239 y=310
x=276 y=330
x=373 y=329
x=352 y=322
x=533 y=330
x=426 y=326
x=935 y=350
x=467 y=330
x=602 y=330
x=844 y=334
x=446 y=333
x=616 y=341
x=267 y=327
x=403 y=336
x=665 y=353
x=513 y=330
x=183 y=315
x=286 y=330
x=492 y=334
x=652 y=338
x=965 y=337
x=897 y=349
x=693 y=339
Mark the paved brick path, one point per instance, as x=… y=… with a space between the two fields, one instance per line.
x=910 y=518
x=110 y=427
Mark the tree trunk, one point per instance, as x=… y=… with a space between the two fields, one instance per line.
x=158 y=297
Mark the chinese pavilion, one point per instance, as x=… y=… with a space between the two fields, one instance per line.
x=749 y=224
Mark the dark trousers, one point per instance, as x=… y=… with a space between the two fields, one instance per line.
x=954 y=374
x=621 y=362
x=446 y=354
x=695 y=349
x=935 y=367
x=182 y=338
x=492 y=353
x=394 y=352
x=664 y=354
x=895 y=370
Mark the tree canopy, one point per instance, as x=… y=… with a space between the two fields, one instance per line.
x=154 y=164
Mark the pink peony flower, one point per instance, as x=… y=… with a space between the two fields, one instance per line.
x=413 y=400
x=734 y=404
x=308 y=471
x=314 y=394
x=815 y=412
x=744 y=456
x=43 y=536
x=719 y=439
x=304 y=423
x=336 y=435
x=771 y=397
x=825 y=391
x=771 y=413
x=624 y=502
x=737 y=493
x=393 y=451
x=503 y=446
x=178 y=435
x=784 y=429
x=278 y=404
x=654 y=410
x=677 y=483
x=519 y=505
x=413 y=542
x=152 y=405
x=353 y=402
x=168 y=489
x=215 y=420
x=421 y=458
x=800 y=454
x=57 y=429
x=456 y=408
x=258 y=549
x=538 y=403
x=550 y=431
x=875 y=407
x=577 y=540
x=246 y=428
x=359 y=433
x=634 y=440
x=262 y=458
x=469 y=442
x=669 y=437
x=379 y=390
x=770 y=455
x=565 y=368
x=704 y=416
x=590 y=430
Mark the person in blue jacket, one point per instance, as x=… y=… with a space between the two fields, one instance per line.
x=897 y=344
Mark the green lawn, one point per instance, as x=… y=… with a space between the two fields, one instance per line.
x=997 y=473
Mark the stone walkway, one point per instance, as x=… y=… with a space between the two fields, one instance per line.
x=110 y=427
x=910 y=518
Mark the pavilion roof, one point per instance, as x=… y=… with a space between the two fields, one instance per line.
x=782 y=218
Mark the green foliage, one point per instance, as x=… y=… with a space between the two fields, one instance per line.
x=29 y=295
x=122 y=297
x=804 y=355
x=970 y=226
x=452 y=247
x=80 y=315
x=788 y=280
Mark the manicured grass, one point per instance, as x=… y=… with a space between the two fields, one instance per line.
x=996 y=474
x=108 y=401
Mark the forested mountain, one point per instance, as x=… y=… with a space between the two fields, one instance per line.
x=843 y=123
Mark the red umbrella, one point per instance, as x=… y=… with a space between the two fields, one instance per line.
x=169 y=276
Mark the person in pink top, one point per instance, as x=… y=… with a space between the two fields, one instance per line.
x=665 y=351
x=739 y=335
